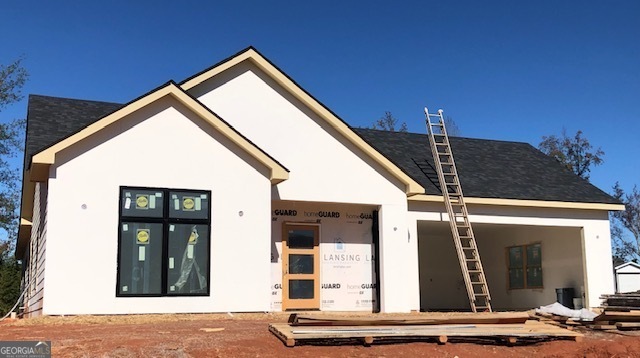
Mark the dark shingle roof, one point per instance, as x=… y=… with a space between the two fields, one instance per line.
x=487 y=168
x=51 y=119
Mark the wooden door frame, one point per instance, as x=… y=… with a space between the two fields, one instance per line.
x=310 y=304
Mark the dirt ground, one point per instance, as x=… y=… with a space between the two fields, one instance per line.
x=247 y=335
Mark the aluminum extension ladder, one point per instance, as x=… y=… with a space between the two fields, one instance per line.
x=463 y=237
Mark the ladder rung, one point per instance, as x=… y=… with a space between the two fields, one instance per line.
x=481 y=294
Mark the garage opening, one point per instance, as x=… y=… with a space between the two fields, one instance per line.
x=524 y=265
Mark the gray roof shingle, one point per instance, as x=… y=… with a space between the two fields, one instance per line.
x=487 y=168
x=51 y=119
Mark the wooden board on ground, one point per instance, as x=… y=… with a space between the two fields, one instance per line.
x=621 y=295
x=628 y=325
x=631 y=316
x=430 y=319
x=622 y=308
x=602 y=327
x=441 y=333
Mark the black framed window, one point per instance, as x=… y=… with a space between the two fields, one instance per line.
x=164 y=242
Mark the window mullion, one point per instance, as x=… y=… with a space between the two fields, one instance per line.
x=165 y=241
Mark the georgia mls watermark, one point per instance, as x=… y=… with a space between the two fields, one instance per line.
x=25 y=349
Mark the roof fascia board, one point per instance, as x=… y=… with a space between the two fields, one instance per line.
x=26 y=214
x=523 y=203
x=412 y=187
x=47 y=156
x=278 y=172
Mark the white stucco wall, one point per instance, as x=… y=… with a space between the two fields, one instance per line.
x=325 y=167
x=162 y=145
x=589 y=231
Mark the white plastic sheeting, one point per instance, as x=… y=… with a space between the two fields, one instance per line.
x=560 y=310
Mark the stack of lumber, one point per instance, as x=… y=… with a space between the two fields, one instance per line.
x=508 y=327
x=560 y=321
x=621 y=310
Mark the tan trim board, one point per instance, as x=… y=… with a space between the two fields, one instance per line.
x=26 y=214
x=24 y=230
x=278 y=172
x=524 y=203
x=412 y=187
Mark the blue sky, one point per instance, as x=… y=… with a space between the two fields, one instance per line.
x=507 y=70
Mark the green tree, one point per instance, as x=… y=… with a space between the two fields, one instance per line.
x=624 y=222
x=388 y=123
x=12 y=79
x=575 y=153
x=10 y=275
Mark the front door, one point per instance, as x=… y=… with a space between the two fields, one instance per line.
x=300 y=267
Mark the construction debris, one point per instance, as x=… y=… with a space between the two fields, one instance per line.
x=439 y=328
x=619 y=312
x=621 y=301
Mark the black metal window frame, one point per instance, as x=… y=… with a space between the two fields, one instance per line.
x=166 y=221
